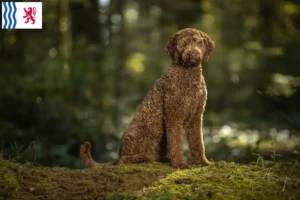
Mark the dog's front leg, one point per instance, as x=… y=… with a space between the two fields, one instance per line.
x=195 y=140
x=173 y=120
x=175 y=145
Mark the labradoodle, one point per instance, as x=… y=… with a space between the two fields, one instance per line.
x=175 y=104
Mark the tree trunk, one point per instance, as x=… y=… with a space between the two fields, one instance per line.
x=65 y=32
x=120 y=71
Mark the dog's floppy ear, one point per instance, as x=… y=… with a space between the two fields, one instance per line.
x=171 y=46
x=210 y=45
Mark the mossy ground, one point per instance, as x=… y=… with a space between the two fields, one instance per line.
x=151 y=181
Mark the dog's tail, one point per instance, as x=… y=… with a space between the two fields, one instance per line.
x=86 y=156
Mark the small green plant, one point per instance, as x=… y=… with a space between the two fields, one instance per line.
x=1 y=151
x=274 y=155
x=260 y=160
x=19 y=152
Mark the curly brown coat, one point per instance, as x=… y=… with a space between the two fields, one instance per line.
x=174 y=104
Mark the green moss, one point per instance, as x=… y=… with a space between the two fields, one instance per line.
x=8 y=181
x=150 y=181
x=225 y=181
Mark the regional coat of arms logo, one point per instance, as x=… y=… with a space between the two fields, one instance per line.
x=30 y=14
x=22 y=15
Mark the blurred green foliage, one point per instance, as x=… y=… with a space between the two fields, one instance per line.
x=83 y=75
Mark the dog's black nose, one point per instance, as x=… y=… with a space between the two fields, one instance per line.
x=194 y=53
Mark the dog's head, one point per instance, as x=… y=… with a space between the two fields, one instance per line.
x=190 y=47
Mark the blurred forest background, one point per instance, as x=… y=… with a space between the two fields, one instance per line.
x=84 y=74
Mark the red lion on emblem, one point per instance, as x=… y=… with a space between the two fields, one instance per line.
x=30 y=14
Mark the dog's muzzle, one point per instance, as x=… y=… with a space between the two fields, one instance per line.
x=192 y=57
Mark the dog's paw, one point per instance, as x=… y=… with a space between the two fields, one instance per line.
x=203 y=162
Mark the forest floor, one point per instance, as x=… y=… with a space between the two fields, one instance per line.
x=220 y=180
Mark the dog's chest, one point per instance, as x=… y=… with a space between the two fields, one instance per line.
x=195 y=94
x=195 y=87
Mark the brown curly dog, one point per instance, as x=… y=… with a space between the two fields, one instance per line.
x=174 y=104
